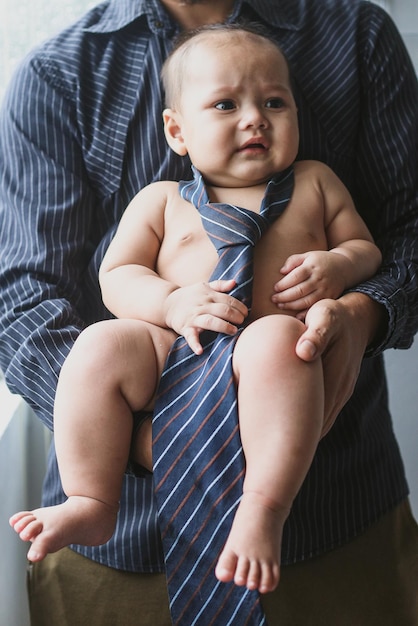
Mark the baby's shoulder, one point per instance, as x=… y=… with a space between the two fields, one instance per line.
x=157 y=194
x=313 y=169
x=316 y=176
x=162 y=188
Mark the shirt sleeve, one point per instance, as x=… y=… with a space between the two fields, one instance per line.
x=45 y=213
x=387 y=175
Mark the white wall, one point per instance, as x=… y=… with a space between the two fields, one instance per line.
x=402 y=368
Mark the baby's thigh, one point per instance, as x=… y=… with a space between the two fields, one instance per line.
x=124 y=346
x=143 y=348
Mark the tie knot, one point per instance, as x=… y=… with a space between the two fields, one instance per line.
x=229 y=225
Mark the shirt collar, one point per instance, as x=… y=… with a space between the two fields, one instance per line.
x=120 y=13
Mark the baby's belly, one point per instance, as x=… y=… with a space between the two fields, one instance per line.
x=269 y=258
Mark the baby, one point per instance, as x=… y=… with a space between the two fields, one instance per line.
x=237 y=121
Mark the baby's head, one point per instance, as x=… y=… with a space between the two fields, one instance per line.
x=230 y=104
x=174 y=73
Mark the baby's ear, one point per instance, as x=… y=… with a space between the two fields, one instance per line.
x=173 y=133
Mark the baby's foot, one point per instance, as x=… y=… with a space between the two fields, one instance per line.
x=251 y=555
x=79 y=520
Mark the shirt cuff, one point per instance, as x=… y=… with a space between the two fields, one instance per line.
x=384 y=290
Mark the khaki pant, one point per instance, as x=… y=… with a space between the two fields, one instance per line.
x=372 y=581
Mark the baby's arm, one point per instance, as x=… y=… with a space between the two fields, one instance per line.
x=131 y=288
x=351 y=258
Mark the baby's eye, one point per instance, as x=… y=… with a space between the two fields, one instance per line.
x=225 y=105
x=275 y=103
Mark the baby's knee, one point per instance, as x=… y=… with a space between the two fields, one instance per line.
x=95 y=338
x=275 y=330
x=270 y=337
x=95 y=345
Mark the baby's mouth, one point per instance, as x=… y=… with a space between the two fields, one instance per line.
x=254 y=145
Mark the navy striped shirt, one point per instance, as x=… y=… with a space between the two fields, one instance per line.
x=81 y=133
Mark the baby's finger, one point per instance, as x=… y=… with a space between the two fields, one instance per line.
x=227 y=308
x=294 y=298
x=292 y=262
x=229 y=301
x=191 y=335
x=296 y=277
x=207 y=321
x=223 y=286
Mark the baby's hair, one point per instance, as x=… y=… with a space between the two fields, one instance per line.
x=172 y=73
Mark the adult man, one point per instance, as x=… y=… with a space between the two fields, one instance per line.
x=80 y=135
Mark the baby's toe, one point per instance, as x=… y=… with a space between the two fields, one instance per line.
x=253 y=575
x=226 y=567
x=269 y=578
x=29 y=530
x=21 y=519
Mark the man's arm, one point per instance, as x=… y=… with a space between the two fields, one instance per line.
x=45 y=214
x=387 y=180
x=383 y=311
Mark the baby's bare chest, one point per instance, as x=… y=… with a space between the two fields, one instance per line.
x=187 y=255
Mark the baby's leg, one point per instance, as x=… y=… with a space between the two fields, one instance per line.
x=280 y=399
x=113 y=370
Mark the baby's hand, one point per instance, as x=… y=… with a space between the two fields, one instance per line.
x=308 y=278
x=204 y=306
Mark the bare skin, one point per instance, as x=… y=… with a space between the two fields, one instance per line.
x=160 y=261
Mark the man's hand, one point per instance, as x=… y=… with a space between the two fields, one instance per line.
x=340 y=331
x=204 y=306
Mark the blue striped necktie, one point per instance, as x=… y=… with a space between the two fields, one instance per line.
x=198 y=461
